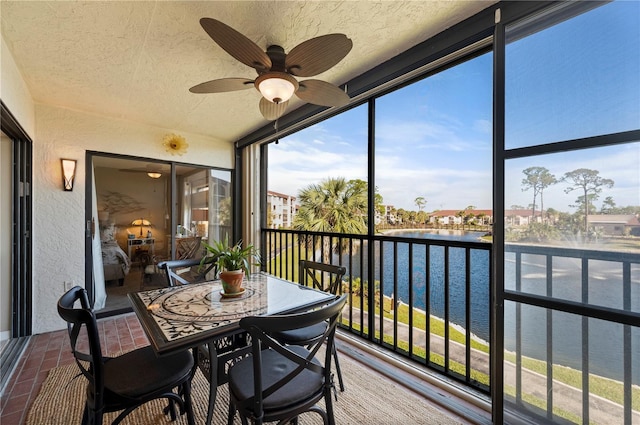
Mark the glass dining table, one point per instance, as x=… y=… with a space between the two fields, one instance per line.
x=201 y=317
x=181 y=317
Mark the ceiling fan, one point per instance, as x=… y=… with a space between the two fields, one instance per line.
x=277 y=70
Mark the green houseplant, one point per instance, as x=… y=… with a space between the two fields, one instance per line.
x=233 y=261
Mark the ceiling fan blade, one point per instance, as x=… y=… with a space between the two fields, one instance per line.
x=272 y=111
x=322 y=93
x=317 y=55
x=236 y=44
x=222 y=85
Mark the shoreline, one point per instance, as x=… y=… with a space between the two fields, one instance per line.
x=460 y=328
x=443 y=232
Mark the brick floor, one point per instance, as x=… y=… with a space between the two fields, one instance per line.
x=49 y=350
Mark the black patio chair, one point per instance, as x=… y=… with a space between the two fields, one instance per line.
x=129 y=380
x=184 y=272
x=212 y=358
x=279 y=382
x=327 y=278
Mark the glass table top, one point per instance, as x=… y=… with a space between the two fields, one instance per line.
x=187 y=315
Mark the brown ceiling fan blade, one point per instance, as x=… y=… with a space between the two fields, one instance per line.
x=222 y=85
x=322 y=93
x=272 y=111
x=317 y=55
x=236 y=44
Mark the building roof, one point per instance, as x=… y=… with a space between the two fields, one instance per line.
x=626 y=219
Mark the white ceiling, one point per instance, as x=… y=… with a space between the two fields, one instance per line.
x=136 y=60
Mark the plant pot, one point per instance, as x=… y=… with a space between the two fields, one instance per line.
x=232 y=281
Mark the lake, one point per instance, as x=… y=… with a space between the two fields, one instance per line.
x=605 y=338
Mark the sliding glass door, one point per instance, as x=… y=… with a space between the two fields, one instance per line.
x=147 y=211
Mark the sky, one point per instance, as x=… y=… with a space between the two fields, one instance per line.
x=433 y=138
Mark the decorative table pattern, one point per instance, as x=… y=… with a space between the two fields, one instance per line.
x=185 y=316
x=190 y=309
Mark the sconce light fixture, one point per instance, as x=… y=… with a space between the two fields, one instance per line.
x=68 y=173
x=154 y=174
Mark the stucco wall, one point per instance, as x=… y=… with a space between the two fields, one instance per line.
x=14 y=92
x=59 y=216
x=58 y=227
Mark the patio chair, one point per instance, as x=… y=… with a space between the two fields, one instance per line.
x=129 y=380
x=184 y=272
x=279 y=382
x=186 y=248
x=325 y=277
x=213 y=357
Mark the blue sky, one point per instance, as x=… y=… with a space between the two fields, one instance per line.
x=434 y=137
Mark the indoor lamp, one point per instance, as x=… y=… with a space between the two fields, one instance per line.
x=141 y=222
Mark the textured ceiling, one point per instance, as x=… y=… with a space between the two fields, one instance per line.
x=137 y=60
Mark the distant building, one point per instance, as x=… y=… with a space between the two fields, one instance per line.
x=282 y=209
x=454 y=217
x=523 y=217
x=387 y=217
x=615 y=224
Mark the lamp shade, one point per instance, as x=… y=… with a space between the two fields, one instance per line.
x=276 y=87
x=141 y=222
x=68 y=173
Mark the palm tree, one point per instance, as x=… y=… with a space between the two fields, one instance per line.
x=335 y=205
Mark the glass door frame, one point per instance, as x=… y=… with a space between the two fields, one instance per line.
x=91 y=226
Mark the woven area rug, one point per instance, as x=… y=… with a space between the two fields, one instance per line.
x=368 y=398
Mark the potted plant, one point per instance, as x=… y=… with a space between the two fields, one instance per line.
x=233 y=261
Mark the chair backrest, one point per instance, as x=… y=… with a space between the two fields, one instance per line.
x=325 y=277
x=189 y=247
x=184 y=272
x=85 y=346
x=260 y=328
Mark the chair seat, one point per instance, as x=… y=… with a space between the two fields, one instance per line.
x=137 y=373
x=150 y=269
x=274 y=367
x=301 y=336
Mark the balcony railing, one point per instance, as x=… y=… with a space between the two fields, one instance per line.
x=430 y=302
x=577 y=308
x=429 y=298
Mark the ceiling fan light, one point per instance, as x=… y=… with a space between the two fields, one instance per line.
x=276 y=87
x=154 y=174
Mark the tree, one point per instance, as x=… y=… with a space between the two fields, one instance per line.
x=402 y=215
x=335 y=205
x=422 y=217
x=378 y=203
x=538 y=179
x=608 y=206
x=590 y=183
x=420 y=203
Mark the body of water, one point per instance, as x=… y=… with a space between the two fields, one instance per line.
x=605 y=289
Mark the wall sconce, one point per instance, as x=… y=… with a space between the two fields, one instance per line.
x=68 y=173
x=154 y=174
